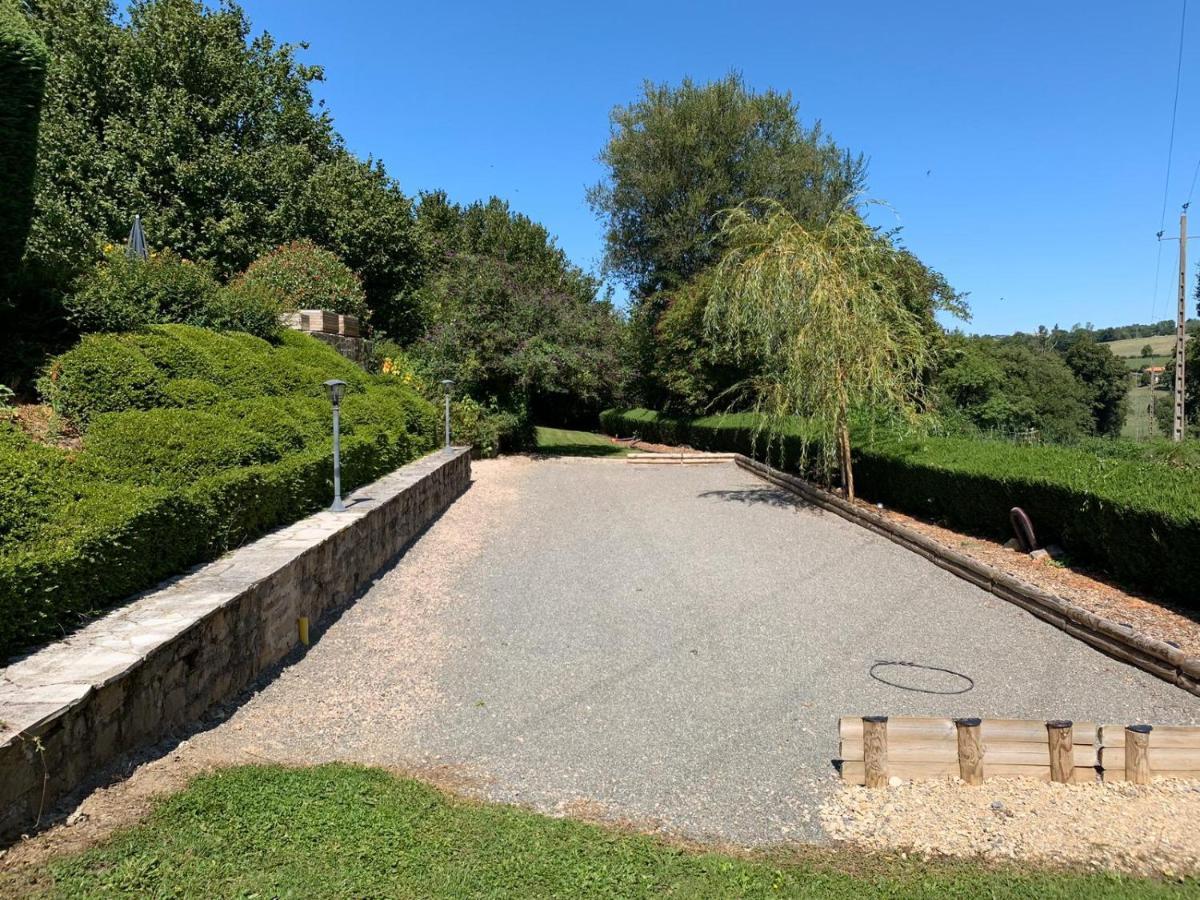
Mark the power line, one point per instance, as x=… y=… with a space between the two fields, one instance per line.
x=1174 y=112
x=1162 y=223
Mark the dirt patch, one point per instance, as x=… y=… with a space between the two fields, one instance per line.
x=42 y=424
x=1153 y=618
x=1151 y=830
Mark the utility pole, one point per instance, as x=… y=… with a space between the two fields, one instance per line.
x=1181 y=328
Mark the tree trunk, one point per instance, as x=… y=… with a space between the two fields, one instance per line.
x=843 y=439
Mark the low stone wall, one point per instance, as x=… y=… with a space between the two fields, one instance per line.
x=134 y=676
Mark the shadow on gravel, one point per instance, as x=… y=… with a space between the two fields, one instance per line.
x=760 y=497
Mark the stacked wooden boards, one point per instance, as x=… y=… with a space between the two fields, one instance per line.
x=1164 y=751
x=917 y=749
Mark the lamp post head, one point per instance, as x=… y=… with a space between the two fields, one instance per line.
x=447 y=383
x=336 y=390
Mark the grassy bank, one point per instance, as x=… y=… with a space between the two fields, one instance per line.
x=565 y=442
x=341 y=831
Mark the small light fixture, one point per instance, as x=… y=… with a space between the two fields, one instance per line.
x=447 y=384
x=336 y=391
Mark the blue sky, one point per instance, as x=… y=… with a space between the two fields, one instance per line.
x=1021 y=145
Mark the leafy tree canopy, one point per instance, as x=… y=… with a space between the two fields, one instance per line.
x=178 y=113
x=509 y=318
x=678 y=156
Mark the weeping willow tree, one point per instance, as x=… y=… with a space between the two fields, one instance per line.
x=821 y=311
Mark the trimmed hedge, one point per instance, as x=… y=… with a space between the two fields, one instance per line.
x=23 y=61
x=1122 y=510
x=158 y=488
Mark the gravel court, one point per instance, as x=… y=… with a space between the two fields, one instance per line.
x=665 y=645
x=673 y=645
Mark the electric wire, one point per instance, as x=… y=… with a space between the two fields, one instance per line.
x=1162 y=225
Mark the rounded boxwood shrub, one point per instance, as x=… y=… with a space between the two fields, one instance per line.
x=102 y=373
x=302 y=275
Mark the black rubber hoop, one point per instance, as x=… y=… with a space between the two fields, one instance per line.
x=912 y=665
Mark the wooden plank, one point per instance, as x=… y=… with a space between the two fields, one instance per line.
x=1161 y=759
x=1001 y=752
x=1161 y=736
x=1033 y=730
x=909 y=751
x=853 y=772
x=850 y=728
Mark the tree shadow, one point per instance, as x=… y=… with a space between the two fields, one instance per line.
x=775 y=497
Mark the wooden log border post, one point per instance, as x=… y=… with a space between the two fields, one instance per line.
x=1156 y=657
x=876 y=749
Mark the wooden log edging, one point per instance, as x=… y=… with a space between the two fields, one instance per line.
x=876 y=751
x=1154 y=656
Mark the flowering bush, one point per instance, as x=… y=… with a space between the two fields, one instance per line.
x=123 y=293
x=304 y=276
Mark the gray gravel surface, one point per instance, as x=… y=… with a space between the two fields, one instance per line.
x=670 y=645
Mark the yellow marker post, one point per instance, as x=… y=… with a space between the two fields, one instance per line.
x=303 y=623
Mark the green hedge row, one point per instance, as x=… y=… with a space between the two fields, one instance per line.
x=23 y=61
x=1135 y=518
x=160 y=488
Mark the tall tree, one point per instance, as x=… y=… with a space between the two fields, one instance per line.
x=1105 y=379
x=677 y=156
x=23 y=62
x=178 y=112
x=510 y=318
x=818 y=307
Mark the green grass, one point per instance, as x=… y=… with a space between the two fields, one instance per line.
x=564 y=442
x=343 y=831
x=1163 y=345
x=1139 y=423
x=1137 y=363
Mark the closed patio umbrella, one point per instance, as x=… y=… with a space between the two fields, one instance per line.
x=136 y=245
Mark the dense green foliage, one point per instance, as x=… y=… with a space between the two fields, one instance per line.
x=195 y=442
x=23 y=61
x=302 y=275
x=677 y=156
x=1063 y=386
x=177 y=112
x=343 y=831
x=510 y=319
x=1132 y=512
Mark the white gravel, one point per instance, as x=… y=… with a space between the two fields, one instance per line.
x=1145 y=830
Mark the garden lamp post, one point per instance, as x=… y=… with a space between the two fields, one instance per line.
x=336 y=390
x=447 y=383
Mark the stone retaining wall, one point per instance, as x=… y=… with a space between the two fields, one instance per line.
x=134 y=676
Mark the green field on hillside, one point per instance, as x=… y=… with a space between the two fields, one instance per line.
x=1163 y=345
x=1139 y=423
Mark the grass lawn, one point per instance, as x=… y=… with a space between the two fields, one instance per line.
x=564 y=442
x=343 y=831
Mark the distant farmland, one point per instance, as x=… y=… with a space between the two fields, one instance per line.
x=1163 y=345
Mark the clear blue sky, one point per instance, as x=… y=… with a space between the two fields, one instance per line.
x=1022 y=145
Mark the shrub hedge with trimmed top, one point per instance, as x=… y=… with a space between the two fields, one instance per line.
x=1116 y=507
x=168 y=478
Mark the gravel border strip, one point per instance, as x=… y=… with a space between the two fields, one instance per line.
x=1154 y=656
